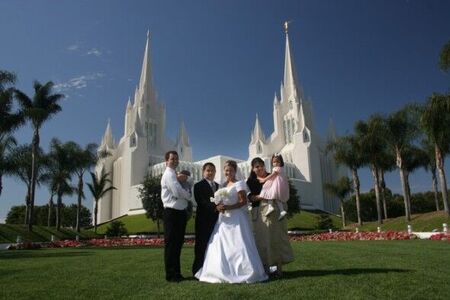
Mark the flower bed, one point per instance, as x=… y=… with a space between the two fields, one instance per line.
x=440 y=237
x=355 y=236
x=120 y=242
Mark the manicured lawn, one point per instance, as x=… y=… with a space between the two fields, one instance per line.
x=419 y=222
x=305 y=220
x=322 y=270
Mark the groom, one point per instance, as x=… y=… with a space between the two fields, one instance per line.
x=174 y=199
x=206 y=215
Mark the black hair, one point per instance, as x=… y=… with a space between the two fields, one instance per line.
x=208 y=164
x=173 y=152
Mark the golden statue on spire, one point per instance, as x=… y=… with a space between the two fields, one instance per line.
x=286 y=26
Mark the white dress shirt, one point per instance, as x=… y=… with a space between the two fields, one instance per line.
x=172 y=194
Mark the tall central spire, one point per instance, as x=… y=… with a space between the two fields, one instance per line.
x=146 y=81
x=290 y=77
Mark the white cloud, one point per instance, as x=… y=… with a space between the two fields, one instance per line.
x=78 y=83
x=73 y=47
x=94 y=51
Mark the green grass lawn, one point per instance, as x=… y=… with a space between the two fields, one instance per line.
x=305 y=220
x=419 y=222
x=322 y=270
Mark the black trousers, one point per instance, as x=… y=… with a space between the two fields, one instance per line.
x=174 y=229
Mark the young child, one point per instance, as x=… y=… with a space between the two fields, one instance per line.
x=185 y=180
x=276 y=186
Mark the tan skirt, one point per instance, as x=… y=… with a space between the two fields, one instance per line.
x=271 y=236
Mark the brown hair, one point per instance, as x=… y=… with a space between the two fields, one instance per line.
x=279 y=157
x=208 y=164
x=256 y=160
x=173 y=152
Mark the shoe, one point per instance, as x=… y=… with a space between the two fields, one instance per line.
x=269 y=210
x=282 y=215
x=180 y=277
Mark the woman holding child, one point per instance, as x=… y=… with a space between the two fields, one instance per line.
x=270 y=228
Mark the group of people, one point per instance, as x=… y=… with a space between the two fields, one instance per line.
x=231 y=244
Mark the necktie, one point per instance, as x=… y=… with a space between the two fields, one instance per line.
x=213 y=187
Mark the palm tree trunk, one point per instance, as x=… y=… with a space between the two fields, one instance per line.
x=80 y=193
x=356 y=185
x=440 y=167
x=406 y=201
x=27 y=204
x=1 y=183
x=158 y=228
x=58 y=209
x=50 y=208
x=383 y=193
x=95 y=216
x=343 y=214
x=377 y=192
x=435 y=189
x=34 y=154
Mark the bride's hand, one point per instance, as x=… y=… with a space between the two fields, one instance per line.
x=220 y=207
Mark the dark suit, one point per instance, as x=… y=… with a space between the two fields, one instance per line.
x=205 y=219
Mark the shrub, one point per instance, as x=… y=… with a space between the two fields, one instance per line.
x=116 y=229
x=324 y=221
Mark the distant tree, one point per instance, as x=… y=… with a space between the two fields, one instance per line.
x=150 y=195
x=61 y=167
x=430 y=165
x=401 y=131
x=444 y=58
x=21 y=162
x=84 y=160
x=293 y=202
x=38 y=109
x=116 y=229
x=435 y=120
x=16 y=215
x=341 y=189
x=99 y=187
x=371 y=135
x=347 y=151
x=7 y=143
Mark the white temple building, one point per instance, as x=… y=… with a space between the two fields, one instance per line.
x=141 y=149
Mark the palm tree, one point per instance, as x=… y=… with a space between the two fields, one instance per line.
x=9 y=120
x=341 y=189
x=84 y=159
x=98 y=189
x=60 y=170
x=435 y=120
x=7 y=143
x=20 y=159
x=387 y=164
x=444 y=58
x=38 y=110
x=347 y=151
x=430 y=165
x=401 y=131
x=371 y=136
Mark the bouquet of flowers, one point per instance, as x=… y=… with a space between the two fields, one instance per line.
x=219 y=197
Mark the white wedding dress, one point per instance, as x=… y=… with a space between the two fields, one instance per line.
x=231 y=255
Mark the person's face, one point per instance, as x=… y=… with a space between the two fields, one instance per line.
x=209 y=173
x=229 y=173
x=259 y=169
x=172 y=162
x=276 y=162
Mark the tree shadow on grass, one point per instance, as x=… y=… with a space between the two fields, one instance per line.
x=351 y=271
x=18 y=254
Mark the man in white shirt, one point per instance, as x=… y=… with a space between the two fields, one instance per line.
x=174 y=199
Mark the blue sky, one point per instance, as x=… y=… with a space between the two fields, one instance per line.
x=218 y=63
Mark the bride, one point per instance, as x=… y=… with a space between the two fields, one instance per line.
x=231 y=255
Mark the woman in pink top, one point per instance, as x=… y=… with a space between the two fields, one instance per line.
x=276 y=186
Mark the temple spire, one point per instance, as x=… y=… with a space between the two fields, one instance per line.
x=108 y=140
x=146 y=80
x=290 y=81
x=183 y=138
x=258 y=133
